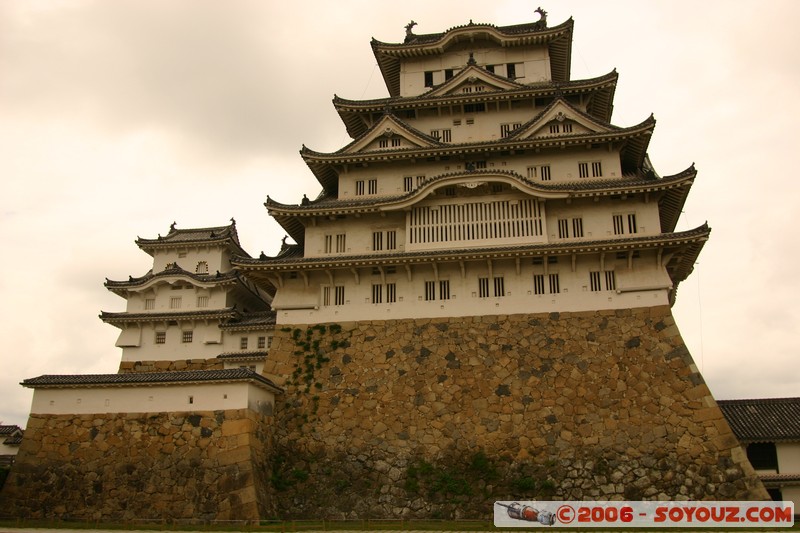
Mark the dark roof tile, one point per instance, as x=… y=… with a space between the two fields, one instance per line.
x=763 y=419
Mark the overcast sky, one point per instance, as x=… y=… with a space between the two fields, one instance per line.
x=119 y=117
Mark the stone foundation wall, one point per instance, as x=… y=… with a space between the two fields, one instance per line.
x=169 y=366
x=441 y=417
x=199 y=465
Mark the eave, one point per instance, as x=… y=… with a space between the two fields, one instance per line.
x=119 y=319
x=558 y=40
x=634 y=139
x=122 y=288
x=600 y=105
x=151 y=379
x=679 y=250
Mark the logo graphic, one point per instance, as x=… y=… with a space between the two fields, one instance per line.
x=517 y=511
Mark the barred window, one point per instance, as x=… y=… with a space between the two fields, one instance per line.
x=391 y=240
x=611 y=280
x=383 y=143
x=563 y=228
x=175 y=302
x=150 y=303
x=262 y=343
x=499 y=286
x=408 y=183
x=430 y=290
x=186 y=337
x=377 y=293
x=624 y=224
x=377 y=241
x=483 y=287
x=597 y=169
x=555 y=286
x=339 y=297
x=373 y=186
x=596 y=279
x=161 y=337
x=544 y=172
x=395 y=142
x=202 y=301
x=243 y=343
x=583 y=170
x=391 y=293
x=577 y=227
x=341 y=243
x=538 y=284
x=359 y=187
x=444 y=289
x=202 y=267
x=328 y=244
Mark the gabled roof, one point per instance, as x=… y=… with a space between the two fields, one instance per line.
x=600 y=101
x=133 y=379
x=560 y=110
x=633 y=140
x=195 y=237
x=174 y=270
x=558 y=40
x=673 y=189
x=763 y=419
x=471 y=75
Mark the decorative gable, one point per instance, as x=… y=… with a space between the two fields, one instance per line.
x=390 y=133
x=560 y=118
x=473 y=79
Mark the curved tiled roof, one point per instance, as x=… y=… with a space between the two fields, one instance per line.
x=243 y=356
x=251 y=321
x=676 y=187
x=194 y=237
x=558 y=39
x=600 y=106
x=212 y=314
x=8 y=430
x=763 y=419
x=149 y=378
x=637 y=138
x=173 y=270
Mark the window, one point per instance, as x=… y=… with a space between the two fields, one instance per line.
x=428 y=78
x=373 y=186
x=150 y=303
x=448 y=73
x=567 y=128
x=161 y=337
x=377 y=241
x=377 y=293
x=341 y=243
x=611 y=280
x=483 y=287
x=175 y=302
x=563 y=228
x=408 y=183
x=339 y=296
x=442 y=135
x=420 y=180
x=391 y=240
x=597 y=169
x=554 y=128
x=620 y=225
x=505 y=129
x=511 y=70
x=430 y=290
x=555 y=286
x=595 y=280
x=328 y=244
x=269 y=342
x=490 y=68
x=243 y=343
x=262 y=343
x=391 y=293
x=395 y=142
x=544 y=172
x=202 y=301
x=538 y=284
x=326 y=296
x=444 y=289
x=359 y=187
x=186 y=337
x=577 y=227
x=466 y=89
x=475 y=108
x=202 y=267
x=499 y=286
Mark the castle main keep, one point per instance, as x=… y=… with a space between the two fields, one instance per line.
x=475 y=307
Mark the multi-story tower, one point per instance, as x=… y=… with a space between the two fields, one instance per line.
x=192 y=311
x=489 y=271
x=487 y=183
